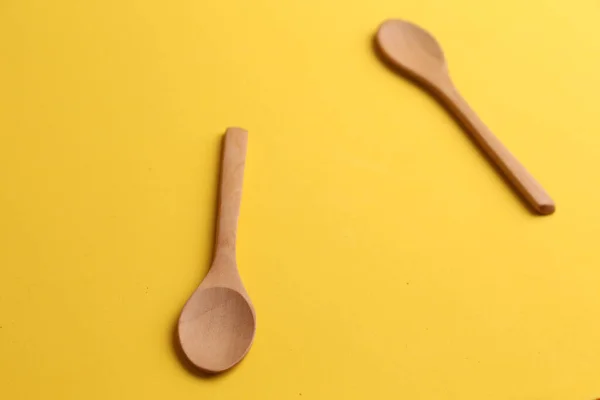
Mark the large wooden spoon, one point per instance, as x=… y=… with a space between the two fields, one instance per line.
x=417 y=53
x=217 y=324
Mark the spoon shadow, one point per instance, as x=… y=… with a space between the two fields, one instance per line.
x=183 y=360
x=416 y=80
x=175 y=342
x=186 y=363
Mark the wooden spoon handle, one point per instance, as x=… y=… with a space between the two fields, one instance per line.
x=232 y=177
x=516 y=173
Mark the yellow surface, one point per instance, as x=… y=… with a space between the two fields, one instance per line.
x=385 y=257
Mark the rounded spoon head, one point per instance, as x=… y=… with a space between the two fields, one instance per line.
x=216 y=328
x=413 y=50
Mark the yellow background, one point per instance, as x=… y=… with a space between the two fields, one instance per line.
x=384 y=255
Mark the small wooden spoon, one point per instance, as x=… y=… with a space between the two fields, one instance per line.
x=417 y=53
x=217 y=324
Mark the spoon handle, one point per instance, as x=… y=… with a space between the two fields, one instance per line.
x=230 y=195
x=516 y=173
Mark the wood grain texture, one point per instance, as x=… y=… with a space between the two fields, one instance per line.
x=415 y=52
x=217 y=324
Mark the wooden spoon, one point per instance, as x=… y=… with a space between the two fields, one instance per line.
x=417 y=53
x=217 y=324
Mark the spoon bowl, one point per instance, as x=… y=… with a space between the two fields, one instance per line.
x=216 y=328
x=415 y=52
